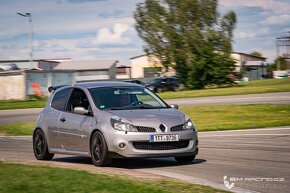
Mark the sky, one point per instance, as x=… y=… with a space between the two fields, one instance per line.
x=104 y=29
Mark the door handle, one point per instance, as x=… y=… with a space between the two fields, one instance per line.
x=62 y=119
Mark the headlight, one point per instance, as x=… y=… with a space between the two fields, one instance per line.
x=188 y=123
x=122 y=124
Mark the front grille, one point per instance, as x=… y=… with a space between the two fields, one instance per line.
x=145 y=129
x=161 y=145
x=177 y=128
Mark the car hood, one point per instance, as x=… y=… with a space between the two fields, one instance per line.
x=152 y=117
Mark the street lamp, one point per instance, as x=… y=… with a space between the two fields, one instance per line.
x=29 y=16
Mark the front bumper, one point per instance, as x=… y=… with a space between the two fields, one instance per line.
x=187 y=145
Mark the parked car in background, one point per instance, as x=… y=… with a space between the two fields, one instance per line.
x=163 y=84
x=280 y=74
x=6 y=67
x=135 y=82
x=106 y=120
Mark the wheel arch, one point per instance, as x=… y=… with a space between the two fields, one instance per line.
x=92 y=133
x=45 y=135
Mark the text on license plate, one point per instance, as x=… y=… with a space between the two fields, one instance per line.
x=159 y=138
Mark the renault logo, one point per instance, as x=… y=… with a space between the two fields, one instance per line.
x=162 y=127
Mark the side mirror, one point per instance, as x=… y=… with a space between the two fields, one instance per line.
x=174 y=106
x=81 y=111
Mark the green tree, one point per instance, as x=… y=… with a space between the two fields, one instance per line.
x=256 y=53
x=190 y=36
x=281 y=63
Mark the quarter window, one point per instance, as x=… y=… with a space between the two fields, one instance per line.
x=60 y=98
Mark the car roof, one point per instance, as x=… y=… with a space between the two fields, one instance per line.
x=167 y=77
x=105 y=84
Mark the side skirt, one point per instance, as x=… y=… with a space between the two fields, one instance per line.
x=70 y=152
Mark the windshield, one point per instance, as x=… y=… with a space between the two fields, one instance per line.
x=157 y=80
x=121 y=98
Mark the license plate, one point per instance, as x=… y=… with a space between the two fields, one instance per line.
x=160 y=138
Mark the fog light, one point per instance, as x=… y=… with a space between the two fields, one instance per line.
x=122 y=145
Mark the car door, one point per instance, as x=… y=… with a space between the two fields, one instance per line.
x=166 y=84
x=171 y=84
x=52 y=115
x=74 y=129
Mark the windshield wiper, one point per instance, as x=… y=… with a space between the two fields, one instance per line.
x=134 y=107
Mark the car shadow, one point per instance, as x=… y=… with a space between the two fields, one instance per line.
x=142 y=163
x=131 y=163
x=74 y=159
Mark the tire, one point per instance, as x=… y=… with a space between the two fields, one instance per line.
x=40 y=148
x=99 y=150
x=175 y=88
x=185 y=159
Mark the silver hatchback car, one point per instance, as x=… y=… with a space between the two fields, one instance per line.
x=106 y=120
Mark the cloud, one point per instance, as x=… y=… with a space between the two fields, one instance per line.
x=276 y=20
x=83 y=1
x=78 y=1
x=275 y=6
x=117 y=35
x=251 y=34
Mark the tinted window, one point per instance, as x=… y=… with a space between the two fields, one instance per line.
x=157 y=80
x=60 y=98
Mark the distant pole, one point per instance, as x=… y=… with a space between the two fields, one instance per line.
x=29 y=16
x=277 y=54
x=282 y=48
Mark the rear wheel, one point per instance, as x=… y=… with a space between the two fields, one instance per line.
x=185 y=159
x=159 y=89
x=99 y=150
x=40 y=148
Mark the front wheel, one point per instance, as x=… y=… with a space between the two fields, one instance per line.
x=158 y=89
x=40 y=148
x=99 y=150
x=185 y=159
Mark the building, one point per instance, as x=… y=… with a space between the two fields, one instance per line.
x=253 y=67
x=144 y=66
x=123 y=72
x=18 y=84
x=84 y=70
x=21 y=64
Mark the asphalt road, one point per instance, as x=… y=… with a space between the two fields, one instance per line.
x=19 y=115
x=259 y=159
x=267 y=98
x=30 y=115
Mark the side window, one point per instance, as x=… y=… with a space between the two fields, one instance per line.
x=60 y=98
x=77 y=99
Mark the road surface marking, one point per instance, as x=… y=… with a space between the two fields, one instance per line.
x=195 y=180
x=239 y=135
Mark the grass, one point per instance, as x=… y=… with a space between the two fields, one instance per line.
x=17 y=129
x=40 y=103
x=32 y=178
x=232 y=117
x=208 y=118
x=253 y=87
